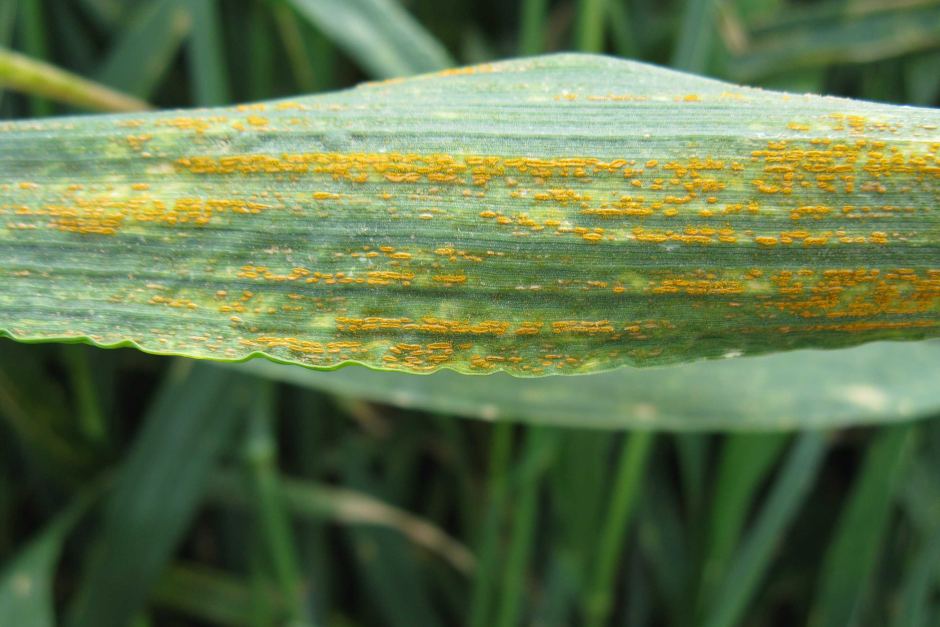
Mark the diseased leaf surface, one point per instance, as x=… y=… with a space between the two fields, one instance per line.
x=562 y=214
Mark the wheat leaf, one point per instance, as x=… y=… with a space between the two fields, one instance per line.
x=560 y=214
x=877 y=383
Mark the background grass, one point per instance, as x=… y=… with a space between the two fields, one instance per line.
x=143 y=491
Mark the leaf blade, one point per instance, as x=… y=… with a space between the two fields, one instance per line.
x=851 y=558
x=26 y=597
x=379 y=34
x=875 y=383
x=368 y=236
x=156 y=493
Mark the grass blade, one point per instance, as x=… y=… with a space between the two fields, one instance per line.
x=923 y=82
x=484 y=584
x=260 y=52
x=532 y=27
x=875 y=383
x=105 y=13
x=752 y=560
x=803 y=42
x=295 y=45
x=590 y=25
x=311 y=501
x=745 y=461
x=207 y=55
x=379 y=34
x=394 y=582
x=852 y=554
x=622 y=30
x=156 y=493
x=33 y=408
x=921 y=499
x=146 y=47
x=914 y=605
x=268 y=498
x=694 y=41
x=89 y=409
x=580 y=484
x=26 y=582
x=7 y=22
x=665 y=547
x=692 y=454
x=26 y=598
x=630 y=470
x=31 y=19
x=538 y=451
x=582 y=275
x=215 y=597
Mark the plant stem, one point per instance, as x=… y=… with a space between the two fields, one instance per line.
x=36 y=77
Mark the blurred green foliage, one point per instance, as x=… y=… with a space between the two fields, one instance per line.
x=146 y=491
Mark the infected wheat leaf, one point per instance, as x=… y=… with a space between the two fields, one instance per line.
x=562 y=214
